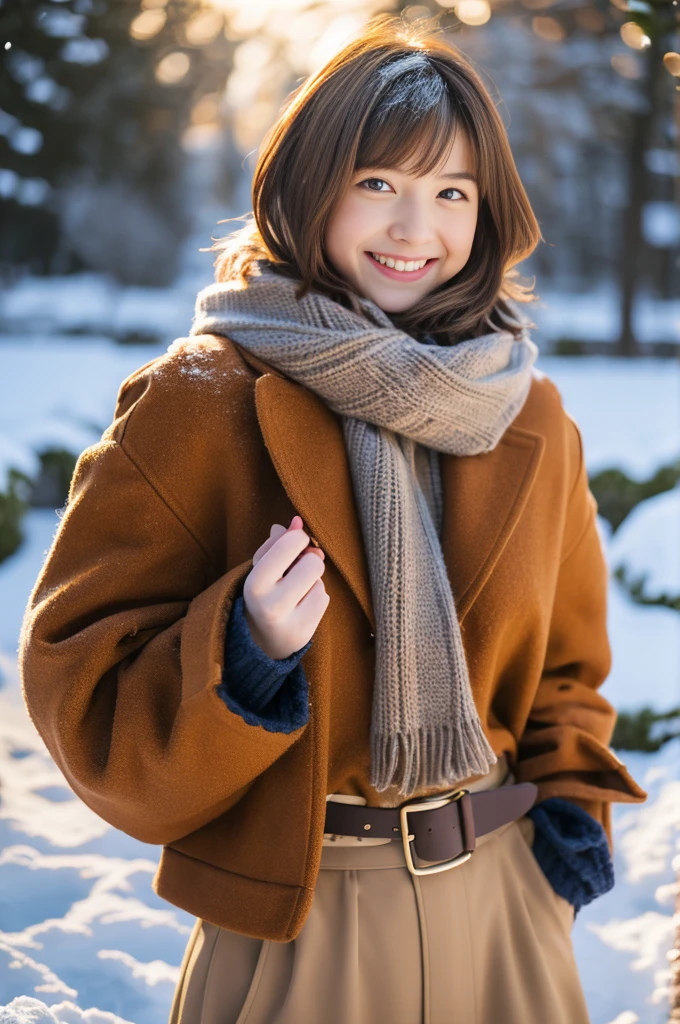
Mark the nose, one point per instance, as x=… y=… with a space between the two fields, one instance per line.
x=412 y=223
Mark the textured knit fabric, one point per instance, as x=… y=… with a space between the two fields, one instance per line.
x=569 y=844
x=271 y=692
x=122 y=644
x=394 y=393
x=573 y=851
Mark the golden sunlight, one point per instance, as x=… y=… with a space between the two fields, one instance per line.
x=172 y=68
x=473 y=12
x=148 y=24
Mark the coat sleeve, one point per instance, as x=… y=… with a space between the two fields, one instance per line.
x=121 y=653
x=565 y=749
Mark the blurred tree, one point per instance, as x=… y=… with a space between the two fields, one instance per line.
x=95 y=96
x=654 y=19
x=589 y=110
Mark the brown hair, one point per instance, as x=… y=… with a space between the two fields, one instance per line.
x=373 y=105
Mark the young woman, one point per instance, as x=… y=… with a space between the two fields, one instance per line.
x=325 y=614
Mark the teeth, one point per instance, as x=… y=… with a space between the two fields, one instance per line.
x=409 y=266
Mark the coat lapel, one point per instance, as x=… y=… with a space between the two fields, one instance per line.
x=484 y=495
x=306 y=444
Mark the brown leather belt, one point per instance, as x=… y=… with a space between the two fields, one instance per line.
x=442 y=828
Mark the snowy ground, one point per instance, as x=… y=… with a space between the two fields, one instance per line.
x=80 y=926
x=628 y=412
x=59 y=394
x=595 y=316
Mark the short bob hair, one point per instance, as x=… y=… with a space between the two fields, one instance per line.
x=392 y=98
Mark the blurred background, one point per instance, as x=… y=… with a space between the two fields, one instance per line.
x=129 y=130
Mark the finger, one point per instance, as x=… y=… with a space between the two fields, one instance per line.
x=274 y=562
x=309 y=550
x=276 y=531
x=292 y=588
x=311 y=608
x=297 y=523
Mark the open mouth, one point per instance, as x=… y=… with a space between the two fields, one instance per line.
x=407 y=270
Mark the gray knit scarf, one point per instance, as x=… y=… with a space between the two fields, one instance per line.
x=394 y=394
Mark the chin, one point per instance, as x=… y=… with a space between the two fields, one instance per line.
x=393 y=307
x=394 y=303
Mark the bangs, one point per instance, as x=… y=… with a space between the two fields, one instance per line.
x=393 y=99
x=413 y=121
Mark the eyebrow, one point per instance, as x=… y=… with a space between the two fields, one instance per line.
x=460 y=174
x=466 y=175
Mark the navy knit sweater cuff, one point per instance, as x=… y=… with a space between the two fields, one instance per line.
x=270 y=692
x=572 y=849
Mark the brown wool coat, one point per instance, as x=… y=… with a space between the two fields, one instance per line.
x=122 y=642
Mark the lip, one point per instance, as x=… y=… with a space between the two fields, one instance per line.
x=401 y=275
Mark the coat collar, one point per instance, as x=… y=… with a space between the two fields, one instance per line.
x=484 y=495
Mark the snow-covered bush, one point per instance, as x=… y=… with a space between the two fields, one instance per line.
x=644 y=555
x=645 y=551
x=13 y=507
x=617 y=494
x=25 y=1010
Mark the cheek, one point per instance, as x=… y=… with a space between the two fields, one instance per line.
x=334 y=236
x=460 y=235
x=347 y=227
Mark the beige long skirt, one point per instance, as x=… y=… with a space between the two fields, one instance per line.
x=487 y=942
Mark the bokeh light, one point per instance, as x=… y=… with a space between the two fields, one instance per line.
x=172 y=68
x=148 y=24
x=473 y=12
x=672 y=63
x=204 y=27
x=548 y=28
x=627 y=65
x=634 y=36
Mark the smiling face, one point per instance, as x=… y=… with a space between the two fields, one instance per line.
x=396 y=237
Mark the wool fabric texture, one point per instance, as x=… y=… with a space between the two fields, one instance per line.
x=252 y=682
x=394 y=393
x=569 y=844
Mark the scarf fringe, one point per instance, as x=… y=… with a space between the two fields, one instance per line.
x=430 y=756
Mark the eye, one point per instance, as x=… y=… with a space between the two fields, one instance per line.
x=453 y=190
x=366 y=181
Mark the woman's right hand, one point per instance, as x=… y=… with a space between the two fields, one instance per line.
x=283 y=593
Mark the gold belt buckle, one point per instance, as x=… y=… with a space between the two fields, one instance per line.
x=429 y=805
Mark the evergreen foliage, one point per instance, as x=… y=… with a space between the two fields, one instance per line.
x=93 y=104
x=645 y=729
x=617 y=495
x=51 y=488
x=636 y=589
x=13 y=507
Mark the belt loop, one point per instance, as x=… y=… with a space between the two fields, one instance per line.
x=468 y=822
